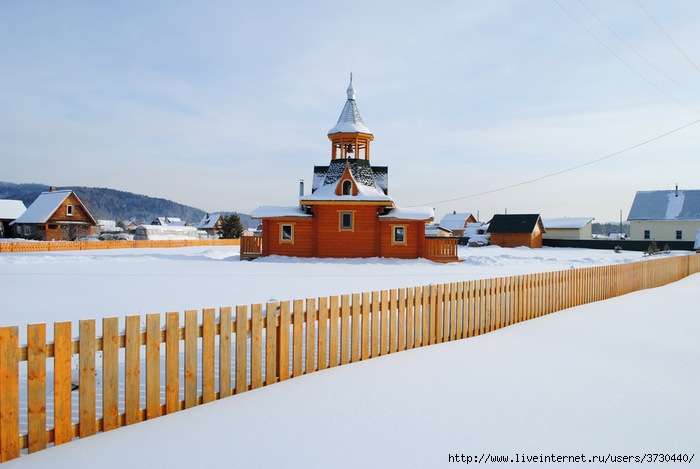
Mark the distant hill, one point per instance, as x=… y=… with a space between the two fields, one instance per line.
x=111 y=204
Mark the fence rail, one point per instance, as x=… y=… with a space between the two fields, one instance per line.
x=39 y=246
x=152 y=369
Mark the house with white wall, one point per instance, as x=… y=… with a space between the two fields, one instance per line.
x=665 y=215
x=568 y=228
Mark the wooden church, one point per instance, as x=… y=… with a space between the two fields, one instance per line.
x=349 y=212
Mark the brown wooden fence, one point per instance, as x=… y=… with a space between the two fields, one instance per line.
x=99 y=383
x=39 y=246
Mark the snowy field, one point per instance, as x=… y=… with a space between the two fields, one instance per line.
x=618 y=377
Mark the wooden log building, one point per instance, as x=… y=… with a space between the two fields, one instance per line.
x=349 y=212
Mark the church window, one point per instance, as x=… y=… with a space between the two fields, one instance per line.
x=286 y=233
x=399 y=235
x=346 y=221
x=347 y=187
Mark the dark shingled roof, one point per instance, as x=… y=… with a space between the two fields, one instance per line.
x=361 y=170
x=514 y=223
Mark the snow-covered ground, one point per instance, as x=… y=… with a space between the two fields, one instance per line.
x=618 y=377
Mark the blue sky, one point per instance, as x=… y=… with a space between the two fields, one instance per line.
x=226 y=105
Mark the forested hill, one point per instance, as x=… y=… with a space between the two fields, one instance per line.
x=110 y=204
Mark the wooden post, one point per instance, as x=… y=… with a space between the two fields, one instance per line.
x=271 y=342
x=322 y=333
x=132 y=381
x=36 y=387
x=283 y=341
x=110 y=374
x=333 y=333
x=310 y=365
x=241 y=349
x=152 y=366
x=298 y=339
x=225 y=333
x=62 y=413
x=172 y=362
x=256 y=332
x=191 y=336
x=376 y=320
x=9 y=393
x=355 y=328
x=86 y=389
x=208 y=355
x=366 y=321
x=344 y=329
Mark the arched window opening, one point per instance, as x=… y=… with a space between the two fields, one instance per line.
x=347 y=187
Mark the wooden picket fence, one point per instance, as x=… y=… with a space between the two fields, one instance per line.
x=153 y=370
x=40 y=246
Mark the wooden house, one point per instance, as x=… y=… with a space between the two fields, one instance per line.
x=457 y=222
x=349 y=212
x=10 y=210
x=515 y=230
x=211 y=223
x=55 y=215
x=568 y=228
x=665 y=215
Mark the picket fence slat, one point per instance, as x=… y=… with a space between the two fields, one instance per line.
x=274 y=343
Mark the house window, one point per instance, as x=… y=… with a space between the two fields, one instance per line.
x=346 y=222
x=69 y=210
x=398 y=235
x=647 y=234
x=347 y=187
x=679 y=234
x=287 y=234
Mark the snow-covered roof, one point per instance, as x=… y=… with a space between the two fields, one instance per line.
x=412 y=213
x=272 y=211
x=209 y=220
x=371 y=186
x=43 y=207
x=455 y=221
x=566 y=223
x=11 y=209
x=350 y=120
x=666 y=205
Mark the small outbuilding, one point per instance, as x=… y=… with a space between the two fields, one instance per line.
x=55 y=215
x=568 y=228
x=515 y=230
x=10 y=210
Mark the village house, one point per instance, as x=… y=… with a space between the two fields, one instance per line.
x=10 y=210
x=509 y=231
x=568 y=228
x=665 y=215
x=349 y=212
x=55 y=215
x=457 y=222
x=211 y=223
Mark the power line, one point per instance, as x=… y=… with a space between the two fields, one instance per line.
x=597 y=160
x=668 y=36
x=621 y=59
x=633 y=50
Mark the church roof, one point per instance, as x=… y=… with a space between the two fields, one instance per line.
x=350 y=120
x=371 y=181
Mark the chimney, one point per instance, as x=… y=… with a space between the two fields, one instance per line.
x=301 y=188
x=52 y=189
x=676 y=190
